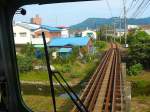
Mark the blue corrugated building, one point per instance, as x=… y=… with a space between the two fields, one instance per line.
x=66 y=44
x=72 y=41
x=64 y=52
x=50 y=29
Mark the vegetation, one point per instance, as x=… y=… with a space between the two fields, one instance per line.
x=138 y=52
x=99 y=45
x=24 y=63
x=75 y=68
x=140 y=104
x=44 y=103
x=135 y=69
x=137 y=62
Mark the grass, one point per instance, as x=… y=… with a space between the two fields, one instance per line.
x=44 y=103
x=74 y=74
x=140 y=104
x=34 y=76
x=144 y=76
x=140 y=101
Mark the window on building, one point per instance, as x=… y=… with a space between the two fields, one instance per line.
x=23 y=34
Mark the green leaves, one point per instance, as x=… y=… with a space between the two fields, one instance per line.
x=135 y=69
x=139 y=49
x=24 y=63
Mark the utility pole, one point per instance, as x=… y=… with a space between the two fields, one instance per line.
x=125 y=23
x=114 y=31
x=120 y=30
x=106 y=33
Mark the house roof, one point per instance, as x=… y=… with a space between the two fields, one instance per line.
x=39 y=46
x=145 y=27
x=74 y=41
x=49 y=28
x=36 y=27
x=65 y=50
x=28 y=25
x=119 y=30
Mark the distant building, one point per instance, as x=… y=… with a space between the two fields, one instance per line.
x=130 y=27
x=23 y=33
x=31 y=33
x=89 y=33
x=36 y=20
x=64 y=31
x=50 y=32
x=64 y=52
x=145 y=28
x=119 y=32
x=85 y=43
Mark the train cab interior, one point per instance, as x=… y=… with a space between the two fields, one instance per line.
x=10 y=94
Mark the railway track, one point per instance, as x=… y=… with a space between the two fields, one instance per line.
x=104 y=90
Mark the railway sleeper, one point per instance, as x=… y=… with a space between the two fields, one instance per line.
x=118 y=100
x=118 y=95
x=117 y=107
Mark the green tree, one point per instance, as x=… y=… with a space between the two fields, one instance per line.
x=24 y=63
x=135 y=69
x=99 y=45
x=139 y=49
x=28 y=50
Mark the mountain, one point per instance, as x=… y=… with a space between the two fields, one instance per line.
x=93 y=23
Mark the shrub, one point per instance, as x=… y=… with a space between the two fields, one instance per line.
x=24 y=63
x=135 y=69
x=140 y=88
x=99 y=45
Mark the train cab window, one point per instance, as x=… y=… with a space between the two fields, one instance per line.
x=69 y=54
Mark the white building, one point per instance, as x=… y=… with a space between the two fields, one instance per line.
x=133 y=27
x=146 y=28
x=24 y=33
x=89 y=33
x=64 y=31
x=119 y=32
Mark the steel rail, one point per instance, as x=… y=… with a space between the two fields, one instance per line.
x=88 y=91
x=107 y=79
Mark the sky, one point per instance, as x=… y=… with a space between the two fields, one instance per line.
x=67 y=14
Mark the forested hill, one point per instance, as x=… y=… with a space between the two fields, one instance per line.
x=97 y=22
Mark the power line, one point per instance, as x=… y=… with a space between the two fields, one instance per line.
x=147 y=4
x=131 y=5
x=140 y=8
x=108 y=5
x=136 y=2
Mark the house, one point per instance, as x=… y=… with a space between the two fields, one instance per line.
x=24 y=33
x=130 y=27
x=119 y=32
x=31 y=32
x=49 y=32
x=89 y=33
x=145 y=28
x=64 y=31
x=64 y=52
x=84 y=43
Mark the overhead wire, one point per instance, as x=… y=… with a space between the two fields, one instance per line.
x=147 y=4
x=139 y=8
x=130 y=5
x=109 y=8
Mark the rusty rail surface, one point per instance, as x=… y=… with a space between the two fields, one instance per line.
x=103 y=91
